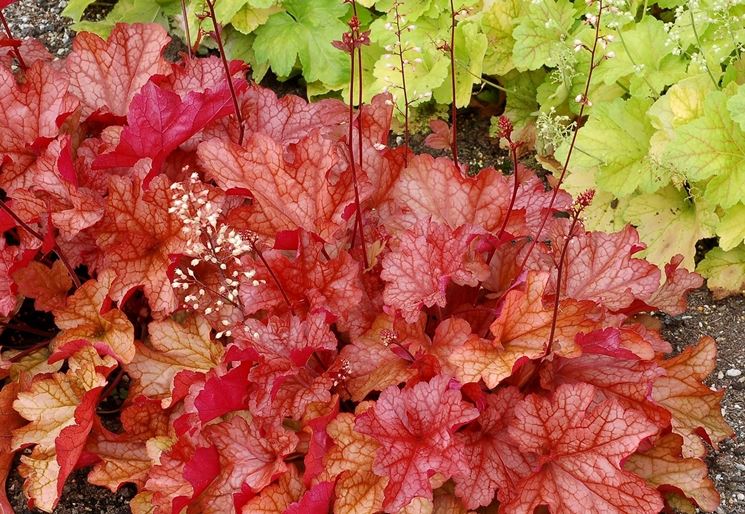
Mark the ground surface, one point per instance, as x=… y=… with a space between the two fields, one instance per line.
x=724 y=320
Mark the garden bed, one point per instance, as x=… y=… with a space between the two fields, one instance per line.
x=722 y=319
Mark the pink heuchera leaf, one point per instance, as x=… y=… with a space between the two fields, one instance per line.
x=436 y=188
x=316 y=500
x=30 y=116
x=578 y=448
x=138 y=235
x=493 y=460
x=292 y=190
x=159 y=121
x=600 y=267
x=441 y=137
x=106 y=75
x=415 y=429
x=423 y=261
x=199 y=75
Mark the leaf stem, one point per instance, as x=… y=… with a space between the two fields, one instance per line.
x=700 y=48
x=403 y=83
x=187 y=35
x=560 y=270
x=226 y=66
x=454 y=108
x=274 y=278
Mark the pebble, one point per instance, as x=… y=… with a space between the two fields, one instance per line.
x=732 y=372
x=740 y=496
x=720 y=375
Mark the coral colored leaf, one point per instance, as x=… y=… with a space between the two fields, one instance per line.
x=47 y=286
x=373 y=363
x=81 y=319
x=494 y=461
x=316 y=500
x=664 y=466
x=8 y=257
x=441 y=137
x=106 y=75
x=121 y=462
x=423 y=261
x=61 y=409
x=9 y=421
x=436 y=188
x=30 y=116
x=138 y=235
x=249 y=455
x=521 y=331
x=415 y=429
x=293 y=191
x=312 y=283
x=174 y=345
x=351 y=459
x=600 y=267
x=694 y=407
x=578 y=448
x=671 y=296
x=159 y=121
x=278 y=496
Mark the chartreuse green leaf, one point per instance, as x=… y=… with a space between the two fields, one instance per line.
x=670 y=223
x=251 y=16
x=736 y=107
x=522 y=106
x=130 y=11
x=540 y=34
x=724 y=270
x=614 y=145
x=711 y=150
x=731 y=228
x=498 y=20
x=470 y=47
x=638 y=62
x=76 y=8
x=305 y=32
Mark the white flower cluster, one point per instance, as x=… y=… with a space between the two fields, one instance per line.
x=213 y=249
x=552 y=130
x=719 y=20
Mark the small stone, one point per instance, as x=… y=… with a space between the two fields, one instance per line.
x=740 y=496
x=732 y=372
x=720 y=375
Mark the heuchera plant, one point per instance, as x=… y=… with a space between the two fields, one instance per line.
x=460 y=364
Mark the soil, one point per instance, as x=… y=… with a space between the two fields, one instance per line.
x=722 y=319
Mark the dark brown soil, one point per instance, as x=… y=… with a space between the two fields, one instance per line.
x=724 y=319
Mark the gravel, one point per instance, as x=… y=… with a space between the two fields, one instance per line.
x=41 y=19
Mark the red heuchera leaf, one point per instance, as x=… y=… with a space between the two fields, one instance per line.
x=138 y=235
x=277 y=497
x=30 y=116
x=121 y=461
x=415 y=429
x=106 y=75
x=199 y=75
x=159 y=121
x=436 y=188
x=293 y=190
x=493 y=459
x=694 y=407
x=9 y=421
x=577 y=448
x=47 y=286
x=600 y=267
x=423 y=261
x=441 y=137
x=312 y=283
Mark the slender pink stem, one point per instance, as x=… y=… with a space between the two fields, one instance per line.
x=559 y=274
x=454 y=109
x=546 y=215
x=403 y=84
x=218 y=39
x=16 y=51
x=28 y=351
x=274 y=278
x=56 y=249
